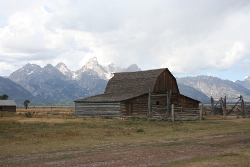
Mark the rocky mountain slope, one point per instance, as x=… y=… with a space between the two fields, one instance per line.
x=47 y=84
x=215 y=87
x=245 y=83
x=193 y=93
x=14 y=91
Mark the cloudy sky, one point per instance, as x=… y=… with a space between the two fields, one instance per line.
x=190 y=37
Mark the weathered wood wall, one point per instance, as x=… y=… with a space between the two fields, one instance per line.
x=135 y=106
x=97 y=109
x=139 y=105
x=166 y=82
x=8 y=108
x=187 y=102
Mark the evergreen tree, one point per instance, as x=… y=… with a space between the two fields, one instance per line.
x=26 y=103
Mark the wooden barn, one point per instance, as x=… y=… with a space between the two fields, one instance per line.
x=135 y=93
x=8 y=105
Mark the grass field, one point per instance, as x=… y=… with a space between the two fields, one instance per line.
x=47 y=110
x=49 y=133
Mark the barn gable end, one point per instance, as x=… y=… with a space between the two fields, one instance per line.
x=166 y=82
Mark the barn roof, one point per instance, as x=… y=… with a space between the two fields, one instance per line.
x=127 y=85
x=139 y=82
x=7 y=103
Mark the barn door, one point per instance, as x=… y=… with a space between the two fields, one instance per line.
x=129 y=108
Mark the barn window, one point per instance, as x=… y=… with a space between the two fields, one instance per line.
x=157 y=102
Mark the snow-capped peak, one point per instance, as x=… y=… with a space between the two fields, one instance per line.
x=62 y=67
x=93 y=59
x=91 y=63
x=247 y=78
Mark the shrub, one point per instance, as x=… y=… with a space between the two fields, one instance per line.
x=139 y=130
x=28 y=114
x=144 y=118
x=134 y=117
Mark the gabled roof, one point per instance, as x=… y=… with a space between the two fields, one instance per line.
x=7 y=103
x=127 y=85
x=139 y=82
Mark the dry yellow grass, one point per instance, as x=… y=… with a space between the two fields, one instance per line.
x=44 y=133
x=47 y=110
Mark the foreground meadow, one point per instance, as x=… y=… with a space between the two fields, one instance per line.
x=65 y=140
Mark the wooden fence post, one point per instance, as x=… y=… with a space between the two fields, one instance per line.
x=223 y=108
x=201 y=111
x=173 y=112
x=149 y=102
x=212 y=105
x=225 y=104
x=168 y=108
x=243 y=109
x=168 y=101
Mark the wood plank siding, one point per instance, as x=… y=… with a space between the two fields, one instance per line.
x=135 y=106
x=165 y=82
x=97 y=109
x=8 y=108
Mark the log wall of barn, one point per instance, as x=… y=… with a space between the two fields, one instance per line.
x=140 y=106
x=97 y=109
x=187 y=102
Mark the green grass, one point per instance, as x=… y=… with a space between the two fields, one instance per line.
x=42 y=134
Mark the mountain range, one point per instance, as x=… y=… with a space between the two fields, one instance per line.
x=59 y=85
x=217 y=88
x=53 y=85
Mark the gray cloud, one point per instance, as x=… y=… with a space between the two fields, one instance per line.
x=185 y=36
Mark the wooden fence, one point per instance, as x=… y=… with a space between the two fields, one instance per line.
x=180 y=113
x=221 y=107
x=229 y=110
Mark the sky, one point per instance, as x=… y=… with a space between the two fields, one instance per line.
x=189 y=37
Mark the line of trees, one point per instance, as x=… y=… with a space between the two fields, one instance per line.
x=4 y=97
